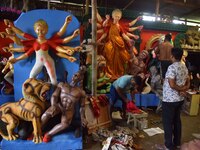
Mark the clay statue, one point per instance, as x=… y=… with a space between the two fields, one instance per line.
x=137 y=64
x=41 y=45
x=103 y=82
x=9 y=74
x=63 y=101
x=192 y=38
x=28 y=108
x=8 y=71
x=118 y=38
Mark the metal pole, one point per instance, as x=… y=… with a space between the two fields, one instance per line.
x=11 y=4
x=87 y=7
x=94 y=52
x=128 y=4
x=157 y=8
x=48 y=4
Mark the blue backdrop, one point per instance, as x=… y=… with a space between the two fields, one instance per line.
x=55 y=20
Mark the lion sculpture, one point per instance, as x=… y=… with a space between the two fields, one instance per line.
x=29 y=108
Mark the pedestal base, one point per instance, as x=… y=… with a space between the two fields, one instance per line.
x=64 y=141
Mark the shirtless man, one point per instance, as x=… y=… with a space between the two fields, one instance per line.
x=63 y=101
x=164 y=54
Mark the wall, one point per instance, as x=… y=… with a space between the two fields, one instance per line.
x=146 y=34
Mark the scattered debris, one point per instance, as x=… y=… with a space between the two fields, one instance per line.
x=156 y=122
x=141 y=136
x=121 y=138
x=106 y=144
x=153 y=131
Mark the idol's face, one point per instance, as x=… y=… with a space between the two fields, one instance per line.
x=142 y=55
x=116 y=16
x=41 y=31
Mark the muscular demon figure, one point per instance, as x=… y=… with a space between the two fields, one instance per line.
x=63 y=101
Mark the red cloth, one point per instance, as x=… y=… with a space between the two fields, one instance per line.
x=131 y=107
x=96 y=109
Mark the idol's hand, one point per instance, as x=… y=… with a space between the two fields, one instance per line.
x=12 y=60
x=107 y=17
x=72 y=59
x=78 y=48
x=140 y=27
x=8 y=23
x=68 y=19
x=76 y=33
x=69 y=51
x=3 y=34
x=139 y=18
x=9 y=31
x=6 y=49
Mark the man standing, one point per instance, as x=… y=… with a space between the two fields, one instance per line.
x=164 y=54
x=120 y=87
x=175 y=84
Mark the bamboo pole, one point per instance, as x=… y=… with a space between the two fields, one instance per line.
x=94 y=52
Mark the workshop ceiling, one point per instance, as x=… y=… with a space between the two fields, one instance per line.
x=189 y=9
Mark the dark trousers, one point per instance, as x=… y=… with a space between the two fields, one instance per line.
x=114 y=97
x=164 y=65
x=172 y=123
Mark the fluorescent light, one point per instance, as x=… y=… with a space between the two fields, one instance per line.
x=149 y=18
x=178 y=22
x=193 y=24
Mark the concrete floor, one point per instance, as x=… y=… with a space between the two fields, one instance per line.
x=190 y=125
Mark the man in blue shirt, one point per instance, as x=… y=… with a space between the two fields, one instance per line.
x=120 y=87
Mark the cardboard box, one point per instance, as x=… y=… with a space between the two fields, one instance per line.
x=191 y=104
